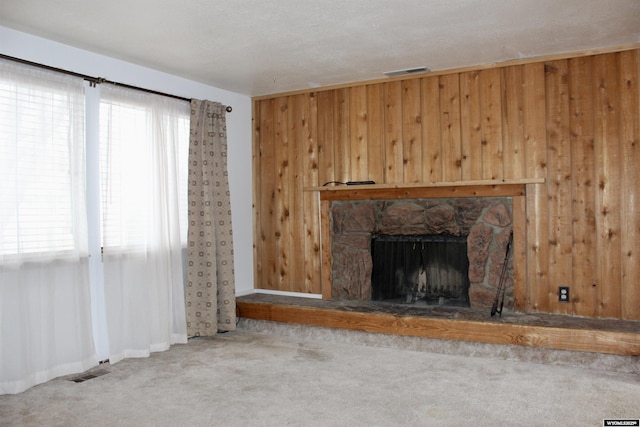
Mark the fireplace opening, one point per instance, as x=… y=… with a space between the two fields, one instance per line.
x=422 y=269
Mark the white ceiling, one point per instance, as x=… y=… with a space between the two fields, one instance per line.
x=259 y=47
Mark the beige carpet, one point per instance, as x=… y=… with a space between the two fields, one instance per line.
x=272 y=375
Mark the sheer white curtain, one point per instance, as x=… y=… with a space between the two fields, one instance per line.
x=45 y=319
x=143 y=149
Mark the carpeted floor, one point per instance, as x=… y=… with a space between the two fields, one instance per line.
x=272 y=375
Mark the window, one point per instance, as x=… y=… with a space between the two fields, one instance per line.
x=42 y=186
x=144 y=145
x=142 y=137
x=138 y=288
x=44 y=281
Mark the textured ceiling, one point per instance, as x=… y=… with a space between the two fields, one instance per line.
x=259 y=47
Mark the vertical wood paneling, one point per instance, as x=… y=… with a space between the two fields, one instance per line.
x=298 y=104
x=311 y=213
x=491 y=124
x=256 y=173
x=537 y=201
x=519 y=254
x=607 y=156
x=326 y=140
x=431 y=139
x=394 y=165
x=535 y=144
x=513 y=122
x=310 y=138
x=559 y=180
x=375 y=133
x=471 y=129
x=341 y=134
x=412 y=130
x=573 y=122
x=450 y=127
x=283 y=188
x=630 y=184
x=582 y=172
x=537 y=248
x=359 y=139
x=266 y=249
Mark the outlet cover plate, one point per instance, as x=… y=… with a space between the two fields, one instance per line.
x=563 y=294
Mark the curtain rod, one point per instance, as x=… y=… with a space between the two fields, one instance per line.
x=93 y=81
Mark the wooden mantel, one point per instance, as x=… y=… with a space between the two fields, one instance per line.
x=484 y=188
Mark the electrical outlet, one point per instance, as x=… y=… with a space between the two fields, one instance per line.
x=563 y=293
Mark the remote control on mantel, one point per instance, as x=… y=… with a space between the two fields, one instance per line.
x=360 y=182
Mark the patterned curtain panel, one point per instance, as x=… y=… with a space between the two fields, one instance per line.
x=210 y=295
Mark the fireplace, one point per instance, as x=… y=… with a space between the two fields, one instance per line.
x=482 y=224
x=424 y=269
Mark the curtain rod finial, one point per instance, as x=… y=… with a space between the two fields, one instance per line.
x=229 y=109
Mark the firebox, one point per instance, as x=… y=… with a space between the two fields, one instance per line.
x=420 y=269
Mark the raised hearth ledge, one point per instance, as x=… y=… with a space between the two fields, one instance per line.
x=608 y=336
x=479 y=188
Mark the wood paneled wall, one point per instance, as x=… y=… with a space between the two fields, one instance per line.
x=574 y=122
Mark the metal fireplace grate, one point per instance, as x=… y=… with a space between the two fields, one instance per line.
x=423 y=269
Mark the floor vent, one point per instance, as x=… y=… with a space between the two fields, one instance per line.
x=86 y=376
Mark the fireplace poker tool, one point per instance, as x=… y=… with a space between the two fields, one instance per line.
x=501 y=285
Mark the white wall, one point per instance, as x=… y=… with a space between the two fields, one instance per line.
x=36 y=49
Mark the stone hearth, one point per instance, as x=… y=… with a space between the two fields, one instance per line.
x=486 y=221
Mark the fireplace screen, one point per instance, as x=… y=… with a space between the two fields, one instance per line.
x=426 y=269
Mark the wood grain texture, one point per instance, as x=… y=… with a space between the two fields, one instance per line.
x=536 y=166
x=583 y=200
x=309 y=210
x=375 y=134
x=374 y=192
x=607 y=166
x=559 y=182
x=358 y=141
x=572 y=122
x=298 y=158
x=431 y=132
x=450 y=127
x=630 y=182
x=513 y=122
x=265 y=250
x=256 y=172
x=341 y=135
x=520 y=252
x=282 y=191
x=534 y=105
x=491 y=124
x=394 y=148
x=608 y=342
x=412 y=131
x=326 y=140
x=470 y=128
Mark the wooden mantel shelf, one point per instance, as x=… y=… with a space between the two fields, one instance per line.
x=482 y=188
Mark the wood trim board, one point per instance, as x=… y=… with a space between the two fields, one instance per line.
x=495 y=332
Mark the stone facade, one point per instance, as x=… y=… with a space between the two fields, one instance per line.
x=486 y=221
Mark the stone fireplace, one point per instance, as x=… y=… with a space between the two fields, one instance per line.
x=423 y=269
x=485 y=223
